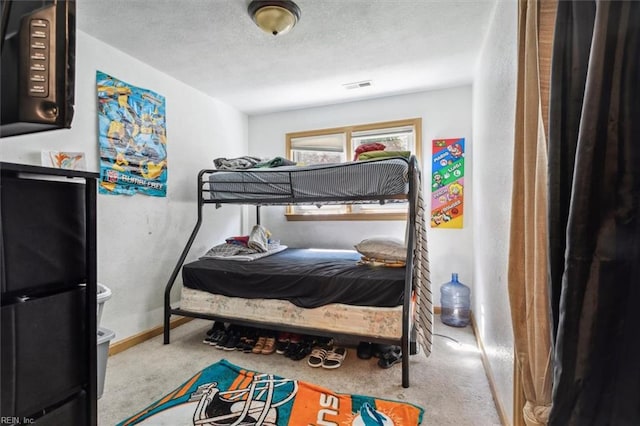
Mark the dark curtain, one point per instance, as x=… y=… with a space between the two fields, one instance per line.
x=574 y=28
x=594 y=213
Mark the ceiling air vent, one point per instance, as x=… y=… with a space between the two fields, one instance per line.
x=357 y=84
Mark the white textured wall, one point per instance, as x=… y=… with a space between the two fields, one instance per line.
x=445 y=113
x=493 y=132
x=140 y=237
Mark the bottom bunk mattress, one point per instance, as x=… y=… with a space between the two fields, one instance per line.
x=382 y=323
x=307 y=278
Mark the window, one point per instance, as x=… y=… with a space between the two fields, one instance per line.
x=338 y=145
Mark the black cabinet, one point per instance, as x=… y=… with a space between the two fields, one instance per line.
x=48 y=362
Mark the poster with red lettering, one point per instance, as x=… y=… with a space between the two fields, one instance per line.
x=447 y=183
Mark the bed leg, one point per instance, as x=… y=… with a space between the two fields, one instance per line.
x=405 y=360
x=413 y=342
x=405 y=371
x=167 y=328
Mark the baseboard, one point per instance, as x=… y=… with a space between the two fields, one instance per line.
x=136 y=339
x=504 y=419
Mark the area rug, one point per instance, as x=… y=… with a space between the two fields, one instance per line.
x=225 y=394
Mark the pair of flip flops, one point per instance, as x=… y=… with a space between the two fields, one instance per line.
x=390 y=357
x=327 y=357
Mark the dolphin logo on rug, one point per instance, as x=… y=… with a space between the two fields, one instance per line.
x=369 y=416
x=254 y=404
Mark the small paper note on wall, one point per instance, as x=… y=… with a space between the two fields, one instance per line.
x=447 y=183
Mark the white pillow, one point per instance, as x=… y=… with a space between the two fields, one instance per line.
x=382 y=248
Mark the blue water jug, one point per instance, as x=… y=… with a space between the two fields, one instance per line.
x=455 y=299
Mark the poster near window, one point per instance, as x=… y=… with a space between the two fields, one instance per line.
x=447 y=183
x=132 y=138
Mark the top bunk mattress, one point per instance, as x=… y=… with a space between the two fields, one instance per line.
x=305 y=277
x=359 y=180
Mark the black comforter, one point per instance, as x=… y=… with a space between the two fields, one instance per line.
x=306 y=277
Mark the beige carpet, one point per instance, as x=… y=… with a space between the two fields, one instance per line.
x=450 y=385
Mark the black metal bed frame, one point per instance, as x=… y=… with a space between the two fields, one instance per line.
x=407 y=342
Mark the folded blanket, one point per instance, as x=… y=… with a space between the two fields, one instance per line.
x=228 y=249
x=275 y=162
x=241 y=240
x=245 y=256
x=371 y=155
x=239 y=163
x=366 y=147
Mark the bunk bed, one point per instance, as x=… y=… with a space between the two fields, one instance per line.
x=302 y=290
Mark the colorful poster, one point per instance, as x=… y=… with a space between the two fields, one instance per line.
x=132 y=138
x=447 y=183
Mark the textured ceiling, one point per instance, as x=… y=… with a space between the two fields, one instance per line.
x=214 y=46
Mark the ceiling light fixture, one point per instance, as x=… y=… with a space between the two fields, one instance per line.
x=274 y=17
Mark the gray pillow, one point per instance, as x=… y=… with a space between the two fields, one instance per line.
x=382 y=248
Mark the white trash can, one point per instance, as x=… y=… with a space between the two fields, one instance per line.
x=104 y=294
x=104 y=338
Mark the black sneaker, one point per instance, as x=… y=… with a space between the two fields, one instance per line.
x=281 y=347
x=292 y=348
x=213 y=338
x=209 y=340
x=390 y=358
x=243 y=344
x=213 y=334
x=216 y=326
x=379 y=349
x=248 y=341
x=232 y=341
x=304 y=349
x=365 y=350
x=224 y=338
x=282 y=342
